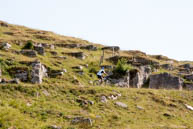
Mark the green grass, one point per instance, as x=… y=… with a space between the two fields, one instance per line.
x=26 y=106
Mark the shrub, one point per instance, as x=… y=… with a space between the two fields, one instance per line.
x=28 y=45
x=122 y=67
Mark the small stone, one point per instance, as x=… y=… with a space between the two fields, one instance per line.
x=140 y=108
x=82 y=120
x=90 y=102
x=120 y=104
x=104 y=99
x=55 y=127
x=45 y=92
x=64 y=70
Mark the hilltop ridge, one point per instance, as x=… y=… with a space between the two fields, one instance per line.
x=47 y=82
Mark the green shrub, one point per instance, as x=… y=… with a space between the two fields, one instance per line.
x=122 y=67
x=28 y=45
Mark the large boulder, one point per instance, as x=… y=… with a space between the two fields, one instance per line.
x=38 y=72
x=139 y=77
x=29 y=53
x=165 y=81
x=189 y=77
x=79 y=55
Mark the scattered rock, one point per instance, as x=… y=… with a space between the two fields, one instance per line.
x=29 y=53
x=40 y=49
x=38 y=72
x=80 y=72
x=104 y=99
x=89 y=47
x=167 y=66
x=54 y=127
x=55 y=73
x=188 y=86
x=74 y=45
x=5 y=46
x=189 y=77
x=115 y=48
x=140 y=108
x=19 y=72
x=45 y=92
x=79 y=55
x=82 y=120
x=189 y=107
x=120 y=104
x=64 y=70
x=14 y=81
x=165 y=81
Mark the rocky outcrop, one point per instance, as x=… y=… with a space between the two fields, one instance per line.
x=188 y=86
x=165 y=81
x=115 y=48
x=3 y=24
x=167 y=66
x=89 y=47
x=40 y=50
x=74 y=45
x=38 y=72
x=189 y=77
x=55 y=73
x=5 y=46
x=21 y=73
x=79 y=55
x=134 y=78
x=139 y=77
x=29 y=53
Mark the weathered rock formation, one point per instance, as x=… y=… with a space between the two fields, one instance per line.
x=165 y=81
x=29 y=53
x=89 y=47
x=38 y=72
x=5 y=46
x=79 y=55
x=40 y=49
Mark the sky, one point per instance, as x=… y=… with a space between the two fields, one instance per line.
x=153 y=26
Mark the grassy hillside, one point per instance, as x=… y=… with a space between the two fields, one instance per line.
x=57 y=101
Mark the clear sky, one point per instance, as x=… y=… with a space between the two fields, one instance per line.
x=153 y=26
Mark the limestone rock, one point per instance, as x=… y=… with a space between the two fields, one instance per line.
x=79 y=55
x=165 y=81
x=189 y=77
x=74 y=45
x=167 y=66
x=89 y=47
x=5 y=46
x=82 y=120
x=104 y=99
x=29 y=53
x=120 y=104
x=77 y=67
x=40 y=50
x=38 y=72
x=115 y=48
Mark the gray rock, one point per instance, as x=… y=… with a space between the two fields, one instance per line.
x=188 y=86
x=14 y=81
x=89 y=47
x=167 y=66
x=21 y=74
x=54 y=127
x=79 y=55
x=40 y=50
x=38 y=72
x=64 y=70
x=29 y=53
x=189 y=77
x=104 y=99
x=74 y=45
x=115 y=48
x=165 y=81
x=120 y=104
x=55 y=73
x=0 y=75
x=139 y=77
x=5 y=46
x=82 y=120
